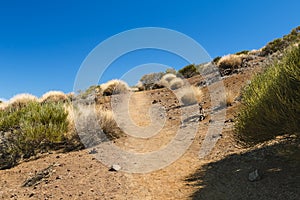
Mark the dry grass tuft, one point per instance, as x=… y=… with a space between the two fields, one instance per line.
x=3 y=105
x=114 y=87
x=54 y=97
x=108 y=124
x=229 y=98
x=230 y=60
x=189 y=95
x=168 y=77
x=21 y=100
x=176 y=83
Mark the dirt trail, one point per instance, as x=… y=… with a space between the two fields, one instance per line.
x=79 y=175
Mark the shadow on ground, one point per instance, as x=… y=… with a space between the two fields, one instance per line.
x=278 y=165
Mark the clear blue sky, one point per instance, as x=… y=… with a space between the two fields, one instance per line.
x=43 y=43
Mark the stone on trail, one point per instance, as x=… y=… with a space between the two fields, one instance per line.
x=254 y=176
x=115 y=168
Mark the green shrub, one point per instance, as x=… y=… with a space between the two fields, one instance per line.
x=189 y=71
x=32 y=128
x=242 y=52
x=271 y=103
x=216 y=59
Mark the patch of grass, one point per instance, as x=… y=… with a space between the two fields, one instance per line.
x=271 y=103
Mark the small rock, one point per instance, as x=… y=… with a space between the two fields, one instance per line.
x=154 y=101
x=254 y=176
x=93 y=151
x=115 y=168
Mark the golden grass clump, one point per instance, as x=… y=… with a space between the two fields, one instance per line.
x=230 y=60
x=53 y=97
x=190 y=95
x=176 y=83
x=229 y=98
x=21 y=100
x=114 y=87
x=166 y=79
x=108 y=124
x=3 y=105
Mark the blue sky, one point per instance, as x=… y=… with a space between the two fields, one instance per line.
x=43 y=43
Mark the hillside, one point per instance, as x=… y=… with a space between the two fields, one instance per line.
x=268 y=170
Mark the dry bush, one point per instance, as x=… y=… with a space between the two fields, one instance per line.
x=21 y=100
x=230 y=60
x=168 y=77
x=114 y=87
x=188 y=96
x=3 y=105
x=229 y=99
x=92 y=122
x=54 y=97
x=108 y=123
x=71 y=96
x=176 y=83
x=197 y=92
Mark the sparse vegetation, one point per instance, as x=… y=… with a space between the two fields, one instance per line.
x=281 y=44
x=244 y=52
x=271 y=102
